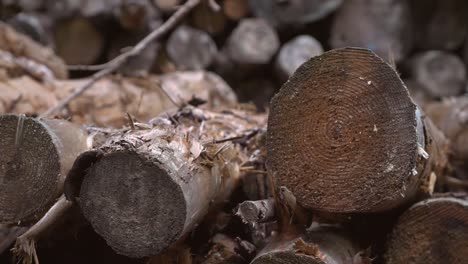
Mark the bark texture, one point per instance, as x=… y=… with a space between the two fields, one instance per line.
x=320 y=245
x=106 y=103
x=152 y=186
x=431 y=231
x=36 y=156
x=344 y=136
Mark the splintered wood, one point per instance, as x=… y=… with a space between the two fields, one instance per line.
x=155 y=183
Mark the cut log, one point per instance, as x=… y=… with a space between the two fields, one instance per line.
x=320 y=245
x=293 y=12
x=22 y=46
x=432 y=231
x=191 y=49
x=253 y=41
x=381 y=26
x=37 y=155
x=207 y=19
x=451 y=117
x=439 y=25
x=106 y=104
x=440 y=73
x=136 y=15
x=345 y=119
x=167 y=5
x=235 y=9
x=294 y=53
x=78 y=41
x=153 y=186
x=252 y=212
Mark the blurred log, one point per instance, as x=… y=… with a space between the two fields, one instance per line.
x=345 y=119
x=224 y=250
x=137 y=15
x=196 y=156
x=451 y=117
x=12 y=67
x=432 y=231
x=320 y=245
x=381 y=26
x=418 y=93
x=138 y=65
x=293 y=12
x=35 y=25
x=294 y=53
x=440 y=73
x=78 y=41
x=167 y=5
x=207 y=19
x=26 y=5
x=22 y=46
x=107 y=103
x=256 y=90
x=439 y=24
x=253 y=42
x=235 y=9
x=37 y=155
x=191 y=49
x=251 y=212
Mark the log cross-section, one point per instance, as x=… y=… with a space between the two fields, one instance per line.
x=152 y=186
x=344 y=136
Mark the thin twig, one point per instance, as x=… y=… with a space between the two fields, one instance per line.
x=96 y=67
x=118 y=61
x=214 y=6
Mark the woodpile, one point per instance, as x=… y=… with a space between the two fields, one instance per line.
x=233 y=131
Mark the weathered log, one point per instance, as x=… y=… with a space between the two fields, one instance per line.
x=235 y=9
x=37 y=155
x=346 y=120
x=251 y=212
x=439 y=24
x=381 y=26
x=224 y=250
x=69 y=38
x=451 y=117
x=294 y=53
x=191 y=49
x=106 y=104
x=293 y=12
x=253 y=41
x=12 y=67
x=319 y=245
x=153 y=186
x=441 y=74
x=432 y=231
x=22 y=46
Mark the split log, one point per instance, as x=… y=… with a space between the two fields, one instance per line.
x=22 y=46
x=451 y=117
x=106 y=104
x=191 y=49
x=381 y=26
x=431 y=231
x=69 y=38
x=441 y=74
x=152 y=186
x=294 y=53
x=346 y=120
x=37 y=155
x=319 y=245
x=293 y=12
x=439 y=24
x=253 y=41
x=235 y=9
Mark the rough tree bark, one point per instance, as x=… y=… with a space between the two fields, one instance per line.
x=432 y=231
x=344 y=136
x=107 y=104
x=36 y=156
x=152 y=186
x=319 y=245
x=381 y=26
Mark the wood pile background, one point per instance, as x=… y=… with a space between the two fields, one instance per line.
x=234 y=131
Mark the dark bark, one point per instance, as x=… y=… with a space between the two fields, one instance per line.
x=344 y=136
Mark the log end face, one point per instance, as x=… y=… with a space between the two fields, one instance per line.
x=134 y=204
x=29 y=168
x=342 y=134
x=287 y=257
x=432 y=231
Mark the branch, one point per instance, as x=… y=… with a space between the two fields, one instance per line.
x=118 y=61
